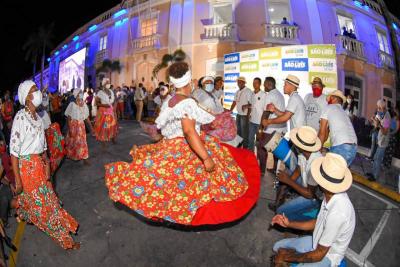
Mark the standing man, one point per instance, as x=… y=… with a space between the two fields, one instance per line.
x=241 y=101
x=139 y=101
x=295 y=110
x=336 y=124
x=218 y=91
x=334 y=226
x=383 y=121
x=273 y=96
x=315 y=103
x=257 y=108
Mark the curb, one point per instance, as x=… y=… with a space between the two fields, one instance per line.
x=376 y=187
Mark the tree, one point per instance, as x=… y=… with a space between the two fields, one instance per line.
x=108 y=67
x=45 y=35
x=178 y=56
x=32 y=50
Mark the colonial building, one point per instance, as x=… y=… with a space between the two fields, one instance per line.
x=138 y=34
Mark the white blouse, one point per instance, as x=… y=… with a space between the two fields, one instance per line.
x=208 y=101
x=105 y=99
x=169 y=120
x=27 y=135
x=76 y=112
x=45 y=118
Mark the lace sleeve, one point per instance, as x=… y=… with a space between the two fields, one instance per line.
x=187 y=108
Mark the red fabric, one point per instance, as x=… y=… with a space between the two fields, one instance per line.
x=224 y=212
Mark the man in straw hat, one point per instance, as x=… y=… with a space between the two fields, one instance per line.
x=336 y=124
x=295 y=109
x=242 y=99
x=315 y=102
x=302 y=208
x=334 y=227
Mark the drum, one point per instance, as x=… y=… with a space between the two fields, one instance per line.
x=281 y=148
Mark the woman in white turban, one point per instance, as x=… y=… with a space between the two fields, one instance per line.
x=77 y=113
x=36 y=201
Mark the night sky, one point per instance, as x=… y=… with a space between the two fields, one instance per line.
x=19 y=18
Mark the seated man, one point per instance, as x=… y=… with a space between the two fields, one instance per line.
x=305 y=206
x=334 y=227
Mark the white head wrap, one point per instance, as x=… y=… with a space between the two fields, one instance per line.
x=105 y=81
x=23 y=90
x=76 y=92
x=207 y=78
x=181 y=82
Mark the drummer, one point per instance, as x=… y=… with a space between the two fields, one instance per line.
x=306 y=206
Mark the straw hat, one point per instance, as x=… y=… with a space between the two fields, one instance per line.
x=294 y=80
x=241 y=78
x=339 y=94
x=305 y=138
x=317 y=80
x=331 y=173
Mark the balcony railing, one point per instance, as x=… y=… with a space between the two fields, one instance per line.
x=373 y=5
x=223 y=31
x=351 y=47
x=386 y=60
x=151 y=41
x=100 y=56
x=281 y=33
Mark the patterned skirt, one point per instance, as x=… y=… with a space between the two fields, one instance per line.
x=223 y=127
x=167 y=181
x=56 y=145
x=106 y=126
x=75 y=142
x=39 y=204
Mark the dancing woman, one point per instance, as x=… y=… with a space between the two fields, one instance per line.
x=106 y=126
x=77 y=113
x=37 y=203
x=186 y=178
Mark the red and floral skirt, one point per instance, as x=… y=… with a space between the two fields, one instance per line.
x=39 y=204
x=106 y=125
x=167 y=181
x=56 y=146
x=223 y=127
x=75 y=142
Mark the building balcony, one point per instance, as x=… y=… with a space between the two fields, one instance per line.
x=100 y=56
x=372 y=5
x=350 y=47
x=386 y=60
x=146 y=42
x=225 y=31
x=281 y=33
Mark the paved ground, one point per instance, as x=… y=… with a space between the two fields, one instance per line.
x=112 y=236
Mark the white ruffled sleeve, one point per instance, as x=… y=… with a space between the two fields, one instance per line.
x=187 y=108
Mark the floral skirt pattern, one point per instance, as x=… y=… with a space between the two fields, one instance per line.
x=223 y=127
x=56 y=145
x=151 y=129
x=39 y=204
x=75 y=142
x=106 y=126
x=167 y=180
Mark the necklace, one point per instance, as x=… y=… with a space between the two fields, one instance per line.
x=35 y=123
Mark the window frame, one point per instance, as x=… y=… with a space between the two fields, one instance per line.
x=103 y=42
x=268 y=17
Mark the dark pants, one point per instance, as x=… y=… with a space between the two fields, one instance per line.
x=242 y=124
x=262 y=153
x=5 y=198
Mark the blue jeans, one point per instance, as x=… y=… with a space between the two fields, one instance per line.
x=347 y=151
x=378 y=158
x=300 y=209
x=301 y=245
x=253 y=128
x=242 y=124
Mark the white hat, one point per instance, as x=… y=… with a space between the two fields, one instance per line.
x=293 y=80
x=241 y=78
x=305 y=138
x=331 y=173
x=207 y=78
x=339 y=94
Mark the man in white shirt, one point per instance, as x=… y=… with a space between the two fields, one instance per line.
x=241 y=101
x=218 y=91
x=295 y=109
x=336 y=124
x=334 y=226
x=257 y=108
x=273 y=96
x=139 y=101
x=306 y=206
x=315 y=103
